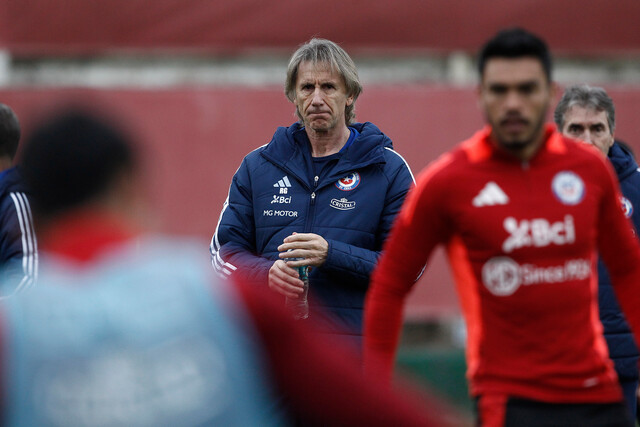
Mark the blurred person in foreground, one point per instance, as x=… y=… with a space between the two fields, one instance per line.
x=326 y=188
x=522 y=211
x=587 y=114
x=18 y=243
x=127 y=328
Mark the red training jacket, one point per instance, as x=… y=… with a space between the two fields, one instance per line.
x=521 y=239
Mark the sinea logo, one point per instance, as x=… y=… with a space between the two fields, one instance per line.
x=502 y=276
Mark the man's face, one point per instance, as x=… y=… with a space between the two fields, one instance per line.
x=321 y=97
x=515 y=95
x=588 y=125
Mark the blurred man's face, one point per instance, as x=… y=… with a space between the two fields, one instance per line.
x=321 y=97
x=515 y=95
x=588 y=125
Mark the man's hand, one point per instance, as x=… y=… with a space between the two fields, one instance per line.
x=284 y=280
x=312 y=247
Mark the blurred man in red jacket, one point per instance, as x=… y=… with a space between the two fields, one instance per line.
x=522 y=211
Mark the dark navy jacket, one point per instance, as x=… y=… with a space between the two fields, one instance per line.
x=18 y=246
x=622 y=347
x=352 y=206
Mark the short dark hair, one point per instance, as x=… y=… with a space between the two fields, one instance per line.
x=515 y=43
x=9 y=132
x=72 y=159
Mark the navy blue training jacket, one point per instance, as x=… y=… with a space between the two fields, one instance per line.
x=352 y=206
x=18 y=245
x=622 y=347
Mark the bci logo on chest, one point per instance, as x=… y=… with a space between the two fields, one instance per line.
x=281 y=199
x=538 y=232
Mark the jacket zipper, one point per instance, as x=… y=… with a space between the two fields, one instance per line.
x=312 y=206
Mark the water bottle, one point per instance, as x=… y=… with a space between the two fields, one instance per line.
x=300 y=306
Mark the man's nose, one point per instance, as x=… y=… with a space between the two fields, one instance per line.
x=513 y=100
x=586 y=137
x=317 y=97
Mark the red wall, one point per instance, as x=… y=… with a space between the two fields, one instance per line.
x=195 y=138
x=90 y=26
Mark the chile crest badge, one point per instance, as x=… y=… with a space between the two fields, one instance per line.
x=349 y=182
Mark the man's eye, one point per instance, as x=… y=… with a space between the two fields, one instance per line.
x=527 y=89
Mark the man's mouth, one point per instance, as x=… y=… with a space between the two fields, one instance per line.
x=514 y=124
x=317 y=113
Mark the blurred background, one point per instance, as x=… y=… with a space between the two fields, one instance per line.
x=200 y=83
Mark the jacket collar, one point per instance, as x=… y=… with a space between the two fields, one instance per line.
x=622 y=161
x=481 y=147
x=287 y=150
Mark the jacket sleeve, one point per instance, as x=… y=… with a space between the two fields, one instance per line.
x=620 y=251
x=232 y=248
x=420 y=227
x=18 y=245
x=359 y=262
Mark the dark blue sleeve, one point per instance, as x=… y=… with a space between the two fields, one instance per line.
x=357 y=262
x=18 y=244
x=232 y=247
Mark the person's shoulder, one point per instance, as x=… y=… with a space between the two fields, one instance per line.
x=254 y=154
x=366 y=128
x=370 y=133
x=623 y=161
x=281 y=135
x=167 y=252
x=581 y=152
x=587 y=161
x=445 y=171
x=462 y=155
x=282 y=141
x=451 y=168
x=563 y=145
x=11 y=181
x=393 y=159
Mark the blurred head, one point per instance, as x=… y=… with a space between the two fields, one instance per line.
x=587 y=114
x=317 y=61
x=74 y=161
x=9 y=132
x=515 y=89
x=515 y=43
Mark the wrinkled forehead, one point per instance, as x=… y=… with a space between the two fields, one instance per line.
x=318 y=66
x=321 y=70
x=586 y=115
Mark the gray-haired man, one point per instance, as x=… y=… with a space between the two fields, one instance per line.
x=587 y=114
x=325 y=188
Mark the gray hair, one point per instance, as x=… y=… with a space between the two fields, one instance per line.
x=321 y=51
x=585 y=96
